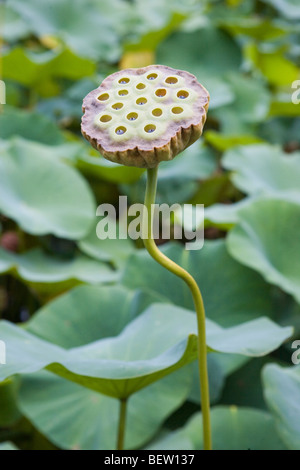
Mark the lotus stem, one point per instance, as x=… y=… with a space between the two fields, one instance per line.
x=122 y=424
x=197 y=297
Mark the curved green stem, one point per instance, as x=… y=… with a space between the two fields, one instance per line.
x=197 y=297
x=122 y=424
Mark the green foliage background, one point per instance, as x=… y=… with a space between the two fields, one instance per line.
x=103 y=319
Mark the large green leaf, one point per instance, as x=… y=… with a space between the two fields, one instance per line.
x=49 y=274
x=161 y=29
x=213 y=269
x=282 y=105
x=260 y=169
x=87 y=28
x=266 y=240
x=282 y=393
x=115 y=251
x=257 y=27
x=86 y=314
x=36 y=267
x=74 y=417
x=196 y=162
x=83 y=315
x=221 y=93
x=281 y=130
x=232 y=429
x=67 y=106
x=149 y=26
x=156 y=343
x=288 y=8
x=95 y=165
x=257 y=170
x=224 y=141
x=230 y=122
x=37 y=127
x=107 y=311
x=252 y=99
x=32 y=69
x=254 y=338
x=42 y=194
x=30 y=125
x=13 y=27
x=193 y=52
x=143 y=353
x=274 y=65
x=225 y=216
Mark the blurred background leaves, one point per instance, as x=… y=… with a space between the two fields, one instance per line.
x=245 y=169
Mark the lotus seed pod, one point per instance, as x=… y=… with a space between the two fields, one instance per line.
x=140 y=117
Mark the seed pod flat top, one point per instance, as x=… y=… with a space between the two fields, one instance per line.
x=140 y=117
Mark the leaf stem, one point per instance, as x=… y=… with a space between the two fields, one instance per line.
x=122 y=423
x=197 y=297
